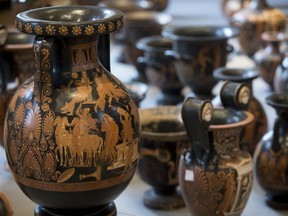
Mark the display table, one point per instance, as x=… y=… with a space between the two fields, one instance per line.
x=130 y=201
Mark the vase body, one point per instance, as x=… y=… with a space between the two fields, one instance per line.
x=258 y=127
x=280 y=81
x=163 y=140
x=269 y=58
x=198 y=51
x=160 y=68
x=72 y=130
x=271 y=155
x=215 y=174
x=16 y=60
x=253 y=21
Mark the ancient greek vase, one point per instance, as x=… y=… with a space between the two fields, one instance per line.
x=140 y=24
x=160 y=68
x=280 y=82
x=215 y=175
x=271 y=157
x=72 y=130
x=269 y=58
x=199 y=50
x=258 y=127
x=163 y=140
x=252 y=21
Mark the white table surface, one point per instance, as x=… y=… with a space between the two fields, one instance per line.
x=194 y=12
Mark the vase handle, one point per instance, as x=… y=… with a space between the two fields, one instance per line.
x=235 y=95
x=51 y=59
x=196 y=115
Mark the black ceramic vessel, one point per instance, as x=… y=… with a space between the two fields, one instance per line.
x=160 y=68
x=72 y=130
x=198 y=51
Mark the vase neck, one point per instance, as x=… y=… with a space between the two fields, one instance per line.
x=259 y=4
x=84 y=53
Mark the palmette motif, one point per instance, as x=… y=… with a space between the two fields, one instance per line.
x=52 y=140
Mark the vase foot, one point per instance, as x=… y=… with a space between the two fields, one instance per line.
x=277 y=202
x=160 y=202
x=108 y=210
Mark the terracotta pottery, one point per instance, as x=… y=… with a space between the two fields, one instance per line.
x=199 y=50
x=229 y=7
x=253 y=21
x=270 y=57
x=5 y=206
x=141 y=24
x=215 y=174
x=163 y=140
x=160 y=68
x=280 y=82
x=72 y=130
x=255 y=130
x=271 y=157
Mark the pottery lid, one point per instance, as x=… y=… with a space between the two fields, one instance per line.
x=200 y=33
x=70 y=21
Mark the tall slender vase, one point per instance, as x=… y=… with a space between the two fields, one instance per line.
x=271 y=159
x=215 y=175
x=253 y=21
x=254 y=131
x=72 y=131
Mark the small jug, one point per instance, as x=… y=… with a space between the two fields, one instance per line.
x=215 y=174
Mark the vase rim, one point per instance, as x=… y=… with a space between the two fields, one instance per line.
x=163 y=112
x=70 y=21
x=200 y=33
x=278 y=100
x=156 y=43
x=248 y=117
x=235 y=74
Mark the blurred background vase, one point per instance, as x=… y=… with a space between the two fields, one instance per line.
x=160 y=69
x=258 y=127
x=139 y=25
x=229 y=7
x=280 y=82
x=269 y=57
x=253 y=21
x=198 y=51
x=163 y=140
x=271 y=159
